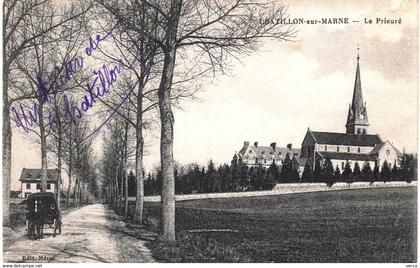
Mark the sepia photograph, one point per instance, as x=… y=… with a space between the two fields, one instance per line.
x=209 y=131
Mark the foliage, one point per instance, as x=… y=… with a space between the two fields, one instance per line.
x=356 y=172
x=286 y=175
x=367 y=173
x=347 y=173
x=385 y=172
x=328 y=172
x=307 y=172
x=317 y=175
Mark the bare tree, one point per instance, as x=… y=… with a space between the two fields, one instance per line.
x=16 y=41
x=218 y=31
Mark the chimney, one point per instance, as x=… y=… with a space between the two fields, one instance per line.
x=289 y=146
x=256 y=144
x=273 y=145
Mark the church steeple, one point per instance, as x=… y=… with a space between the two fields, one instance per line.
x=357 y=120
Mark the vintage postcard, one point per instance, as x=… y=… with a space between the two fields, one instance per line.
x=209 y=131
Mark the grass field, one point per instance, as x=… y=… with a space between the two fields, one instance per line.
x=361 y=225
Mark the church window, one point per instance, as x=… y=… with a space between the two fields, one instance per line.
x=348 y=149
x=338 y=148
x=358 y=149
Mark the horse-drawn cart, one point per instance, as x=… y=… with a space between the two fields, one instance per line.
x=42 y=210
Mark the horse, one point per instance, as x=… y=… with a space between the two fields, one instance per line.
x=38 y=218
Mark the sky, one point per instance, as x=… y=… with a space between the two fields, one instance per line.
x=277 y=93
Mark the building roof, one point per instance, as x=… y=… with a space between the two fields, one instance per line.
x=346 y=139
x=268 y=150
x=34 y=174
x=347 y=156
x=379 y=147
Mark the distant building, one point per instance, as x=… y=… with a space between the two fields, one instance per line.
x=356 y=145
x=30 y=180
x=253 y=155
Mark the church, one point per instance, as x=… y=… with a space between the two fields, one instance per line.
x=356 y=145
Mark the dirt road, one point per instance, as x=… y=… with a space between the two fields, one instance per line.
x=90 y=234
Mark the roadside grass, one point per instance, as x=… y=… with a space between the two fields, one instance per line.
x=360 y=225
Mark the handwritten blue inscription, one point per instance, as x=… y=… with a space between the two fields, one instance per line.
x=100 y=83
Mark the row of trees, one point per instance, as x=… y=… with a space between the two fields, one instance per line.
x=175 y=44
x=39 y=40
x=327 y=173
x=195 y=179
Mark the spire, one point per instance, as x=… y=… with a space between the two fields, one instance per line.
x=357 y=102
x=357 y=116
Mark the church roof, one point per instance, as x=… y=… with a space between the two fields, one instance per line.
x=347 y=139
x=347 y=156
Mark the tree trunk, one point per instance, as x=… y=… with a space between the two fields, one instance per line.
x=44 y=160
x=167 y=232
x=70 y=167
x=75 y=190
x=122 y=179
x=116 y=188
x=79 y=195
x=138 y=211
x=125 y=167
x=60 y=183
x=7 y=148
